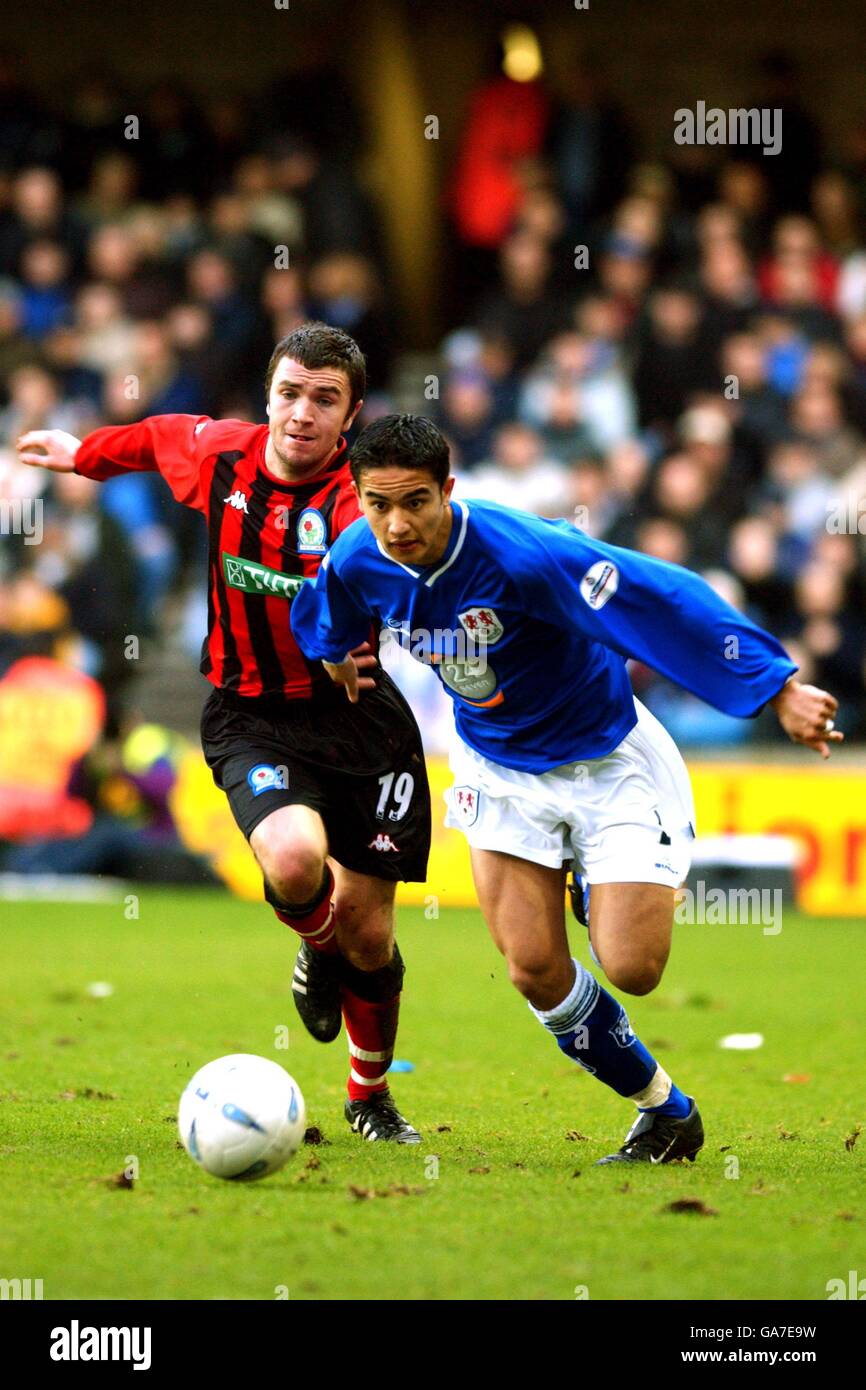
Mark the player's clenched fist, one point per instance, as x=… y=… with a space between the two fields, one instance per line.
x=806 y=714
x=54 y=449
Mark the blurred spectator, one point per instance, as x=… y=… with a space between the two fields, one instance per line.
x=753 y=552
x=674 y=359
x=467 y=414
x=212 y=283
x=46 y=301
x=744 y=192
x=344 y=290
x=111 y=190
x=35 y=404
x=523 y=309
x=85 y=558
x=578 y=397
x=624 y=275
x=837 y=216
x=505 y=129
x=519 y=474
x=591 y=146
x=758 y=413
x=818 y=418
x=15 y=351
x=683 y=492
x=37 y=211
x=834 y=635
x=729 y=290
x=791 y=171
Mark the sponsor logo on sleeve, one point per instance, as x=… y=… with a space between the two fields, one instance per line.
x=600 y=583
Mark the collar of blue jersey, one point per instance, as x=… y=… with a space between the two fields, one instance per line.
x=428 y=573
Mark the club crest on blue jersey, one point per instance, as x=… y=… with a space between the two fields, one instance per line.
x=312 y=532
x=600 y=583
x=482 y=625
x=264 y=778
x=464 y=804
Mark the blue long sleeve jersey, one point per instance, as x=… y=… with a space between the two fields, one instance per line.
x=528 y=623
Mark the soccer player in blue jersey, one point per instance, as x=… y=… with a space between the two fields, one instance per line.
x=529 y=623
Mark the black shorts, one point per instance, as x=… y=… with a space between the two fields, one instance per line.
x=360 y=766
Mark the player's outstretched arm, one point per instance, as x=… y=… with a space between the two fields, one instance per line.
x=166 y=444
x=806 y=714
x=52 y=449
x=671 y=619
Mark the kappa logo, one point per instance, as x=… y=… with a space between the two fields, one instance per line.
x=383 y=843
x=600 y=583
x=482 y=625
x=264 y=778
x=312 y=532
x=238 y=500
x=200 y=426
x=464 y=803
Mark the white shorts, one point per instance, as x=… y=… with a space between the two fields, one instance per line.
x=628 y=817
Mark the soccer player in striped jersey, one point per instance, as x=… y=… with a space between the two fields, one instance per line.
x=334 y=801
x=555 y=762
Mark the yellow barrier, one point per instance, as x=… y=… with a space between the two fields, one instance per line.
x=823 y=808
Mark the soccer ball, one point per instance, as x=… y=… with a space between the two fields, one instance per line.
x=241 y=1117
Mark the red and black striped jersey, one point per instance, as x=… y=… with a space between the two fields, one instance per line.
x=265 y=536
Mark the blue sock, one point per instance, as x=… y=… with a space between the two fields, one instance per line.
x=593 y=1029
x=677 y=1104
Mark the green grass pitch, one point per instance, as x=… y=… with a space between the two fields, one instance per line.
x=89 y=1086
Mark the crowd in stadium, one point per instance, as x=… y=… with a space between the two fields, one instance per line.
x=666 y=347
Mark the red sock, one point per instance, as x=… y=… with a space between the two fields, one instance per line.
x=317 y=925
x=371 y=1029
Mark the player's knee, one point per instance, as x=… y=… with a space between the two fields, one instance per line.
x=533 y=976
x=365 y=941
x=635 y=977
x=293 y=868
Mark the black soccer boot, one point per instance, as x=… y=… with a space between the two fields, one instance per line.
x=316 y=990
x=379 y=1118
x=655 y=1138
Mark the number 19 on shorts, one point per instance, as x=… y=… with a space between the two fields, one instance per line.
x=395 y=796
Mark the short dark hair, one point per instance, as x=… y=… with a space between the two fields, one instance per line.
x=317 y=344
x=401 y=441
